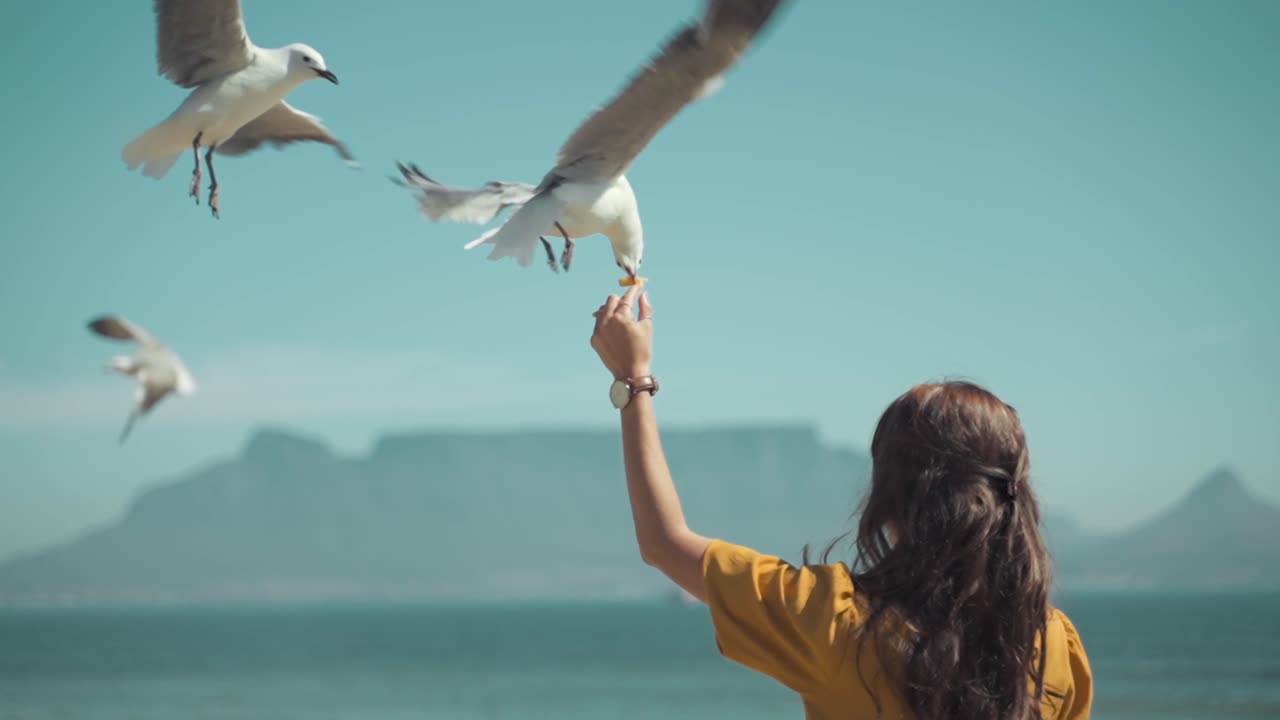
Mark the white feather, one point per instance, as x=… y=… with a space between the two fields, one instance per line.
x=518 y=236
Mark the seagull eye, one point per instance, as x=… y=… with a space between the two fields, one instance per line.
x=306 y=58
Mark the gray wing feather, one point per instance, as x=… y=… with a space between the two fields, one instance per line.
x=117 y=328
x=128 y=425
x=441 y=202
x=197 y=40
x=281 y=125
x=147 y=398
x=687 y=67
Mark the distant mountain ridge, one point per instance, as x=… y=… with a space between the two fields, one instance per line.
x=438 y=515
x=1217 y=536
x=544 y=514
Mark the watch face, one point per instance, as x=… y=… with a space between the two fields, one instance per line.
x=619 y=394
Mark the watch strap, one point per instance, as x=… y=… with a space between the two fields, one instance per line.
x=644 y=383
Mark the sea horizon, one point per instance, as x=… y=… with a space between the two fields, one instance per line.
x=1183 y=656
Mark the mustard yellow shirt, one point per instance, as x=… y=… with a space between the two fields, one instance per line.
x=796 y=624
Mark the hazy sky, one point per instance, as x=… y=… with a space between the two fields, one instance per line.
x=1075 y=205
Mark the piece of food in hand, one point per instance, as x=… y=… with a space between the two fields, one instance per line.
x=629 y=281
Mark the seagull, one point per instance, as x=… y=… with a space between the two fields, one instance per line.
x=586 y=193
x=158 y=370
x=236 y=103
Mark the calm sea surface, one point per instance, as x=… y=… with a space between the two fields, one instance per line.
x=1154 y=656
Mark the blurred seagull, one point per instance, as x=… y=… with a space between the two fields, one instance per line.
x=158 y=370
x=237 y=103
x=586 y=192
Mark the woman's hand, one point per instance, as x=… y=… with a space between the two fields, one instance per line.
x=624 y=343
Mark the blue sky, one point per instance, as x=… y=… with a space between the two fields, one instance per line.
x=1075 y=205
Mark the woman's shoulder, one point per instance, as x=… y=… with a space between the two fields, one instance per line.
x=1058 y=618
x=1068 y=680
x=831 y=580
x=780 y=619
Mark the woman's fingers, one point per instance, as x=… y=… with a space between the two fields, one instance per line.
x=625 y=304
x=604 y=311
x=619 y=308
x=599 y=315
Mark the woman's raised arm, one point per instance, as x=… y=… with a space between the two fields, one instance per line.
x=625 y=345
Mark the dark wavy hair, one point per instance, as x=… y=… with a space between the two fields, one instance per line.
x=949 y=556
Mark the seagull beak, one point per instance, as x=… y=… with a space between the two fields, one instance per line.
x=328 y=76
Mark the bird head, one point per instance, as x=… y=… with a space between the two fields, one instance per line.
x=627 y=238
x=630 y=263
x=305 y=61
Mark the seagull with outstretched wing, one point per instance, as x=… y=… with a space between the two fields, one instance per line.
x=157 y=369
x=586 y=193
x=237 y=94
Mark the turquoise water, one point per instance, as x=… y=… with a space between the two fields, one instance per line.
x=1155 y=656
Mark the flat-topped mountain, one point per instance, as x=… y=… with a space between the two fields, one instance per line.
x=432 y=515
x=544 y=514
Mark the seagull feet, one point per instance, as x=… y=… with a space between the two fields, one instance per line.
x=195 y=171
x=567 y=257
x=568 y=247
x=551 y=255
x=195 y=185
x=213 y=180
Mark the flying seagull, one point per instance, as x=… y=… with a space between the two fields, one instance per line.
x=586 y=192
x=237 y=99
x=158 y=370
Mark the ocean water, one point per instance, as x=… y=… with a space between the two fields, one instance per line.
x=1153 y=655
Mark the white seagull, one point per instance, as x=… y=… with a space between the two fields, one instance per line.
x=158 y=370
x=586 y=192
x=237 y=102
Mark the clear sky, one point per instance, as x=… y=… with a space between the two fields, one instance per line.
x=1077 y=205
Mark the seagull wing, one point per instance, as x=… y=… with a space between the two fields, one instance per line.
x=117 y=328
x=183 y=382
x=441 y=202
x=688 y=67
x=281 y=125
x=128 y=424
x=146 y=398
x=186 y=384
x=197 y=40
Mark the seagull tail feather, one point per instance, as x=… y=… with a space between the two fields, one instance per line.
x=156 y=150
x=159 y=168
x=518 y=236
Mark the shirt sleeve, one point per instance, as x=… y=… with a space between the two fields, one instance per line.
x=1080 y=701
x=785 y=622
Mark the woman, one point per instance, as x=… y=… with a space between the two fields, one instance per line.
x=946 y=605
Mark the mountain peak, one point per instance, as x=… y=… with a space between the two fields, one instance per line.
x=272 y=446
x=1222 y=484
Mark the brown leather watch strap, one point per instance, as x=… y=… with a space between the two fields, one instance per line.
x=644 y=383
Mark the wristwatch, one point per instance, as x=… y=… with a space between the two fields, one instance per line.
x=621 y=391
